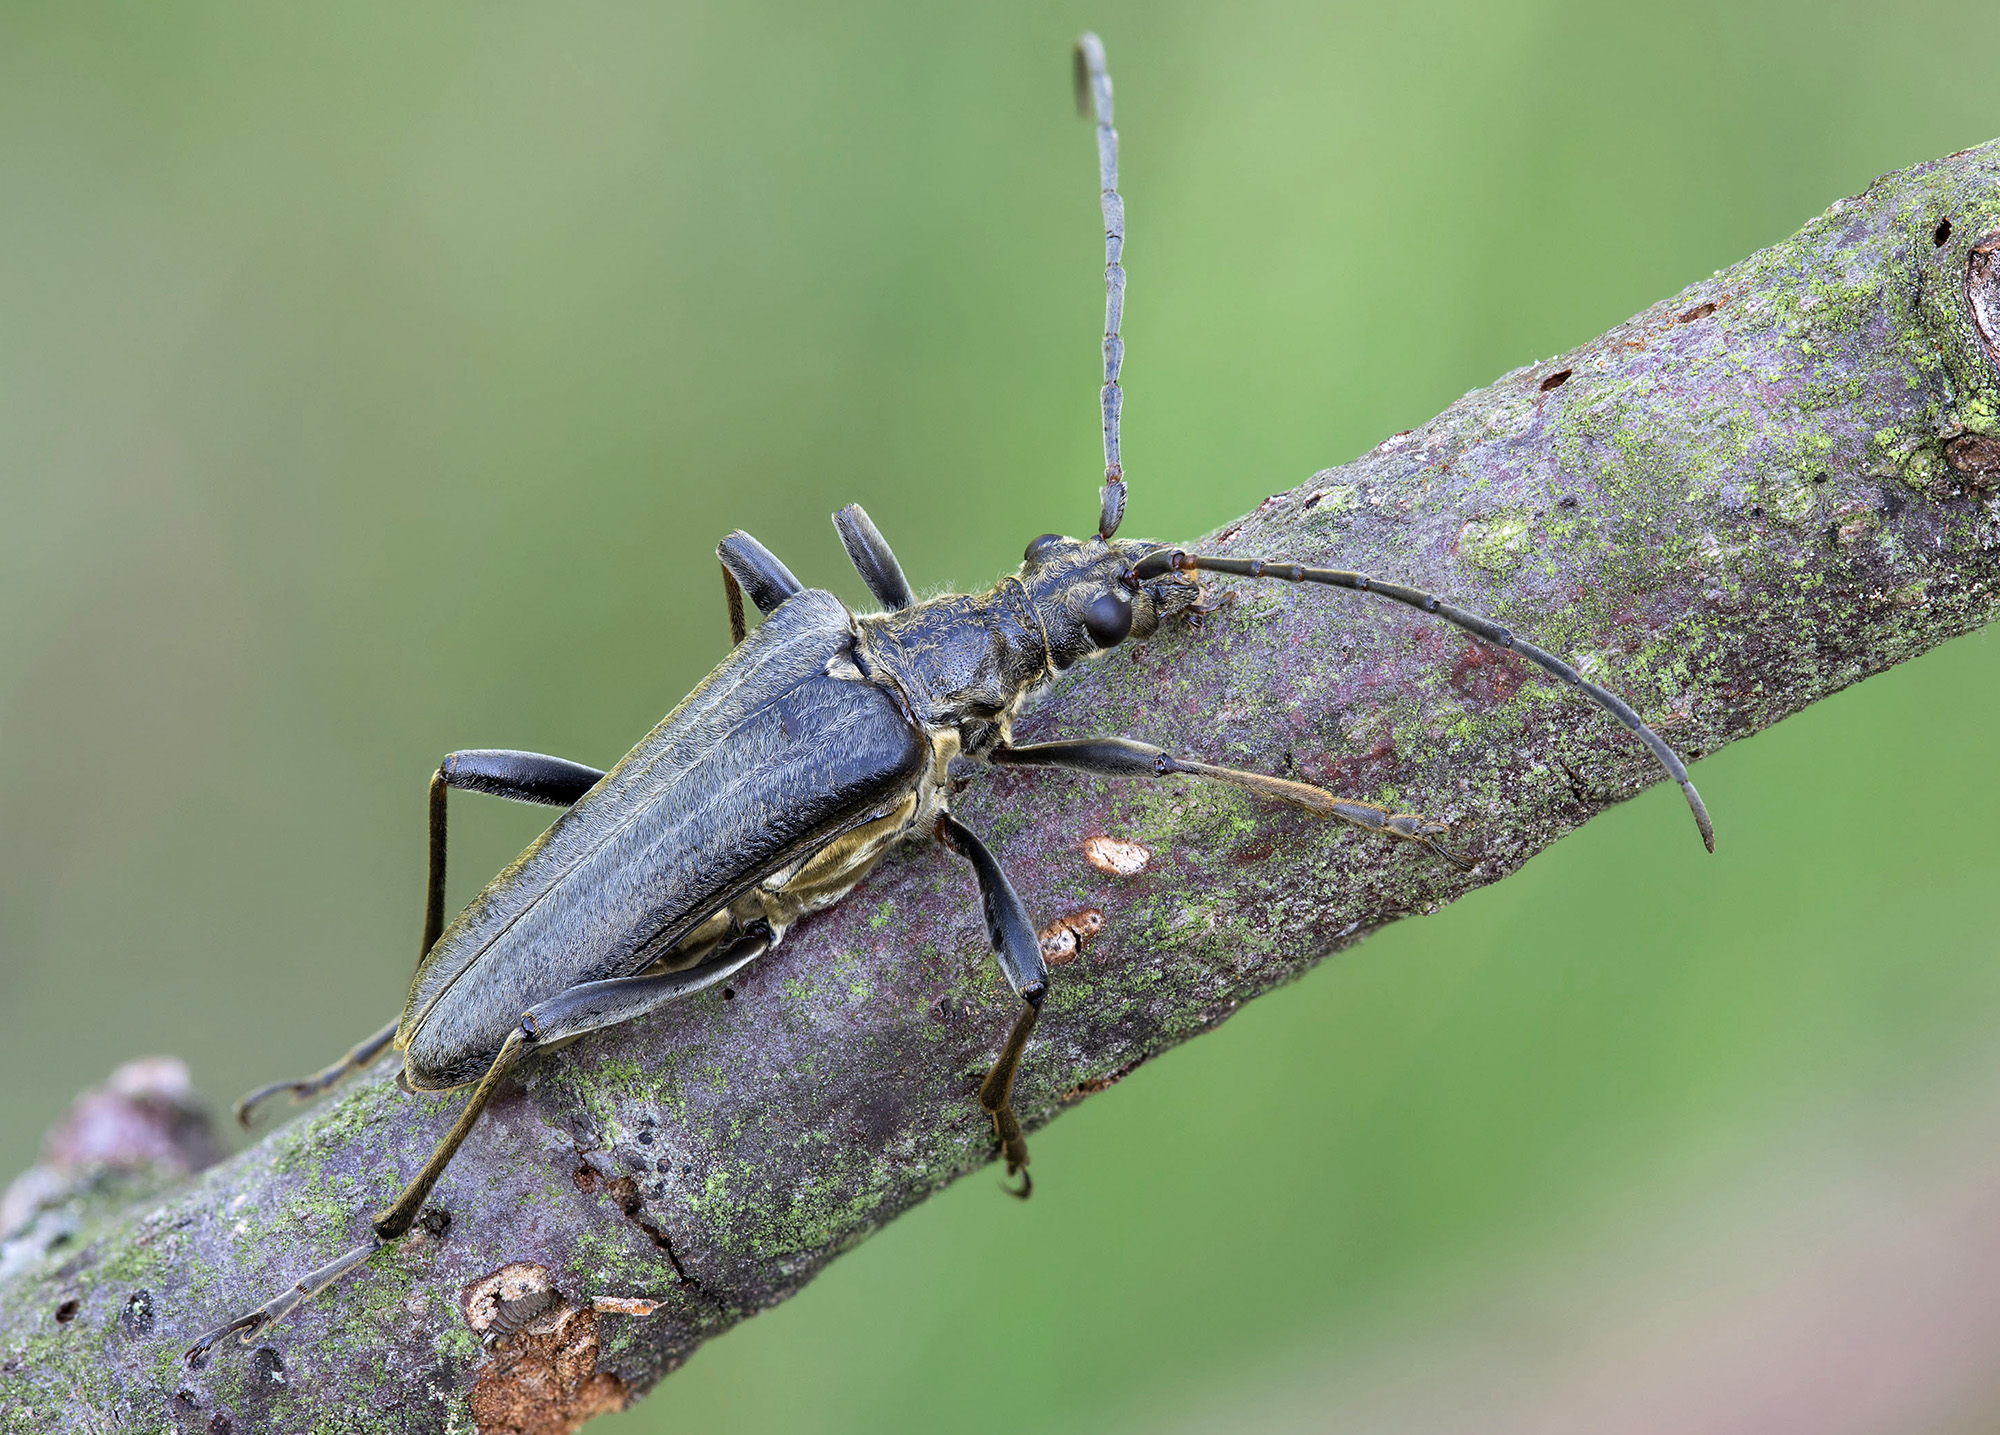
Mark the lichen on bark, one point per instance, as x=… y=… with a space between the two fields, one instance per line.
x=1748 y=497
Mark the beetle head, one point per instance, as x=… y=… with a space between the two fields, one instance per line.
x=1089 y=597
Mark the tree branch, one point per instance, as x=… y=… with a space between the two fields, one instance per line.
x=1745 y=499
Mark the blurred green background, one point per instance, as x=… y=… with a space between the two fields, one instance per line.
x=376 y=380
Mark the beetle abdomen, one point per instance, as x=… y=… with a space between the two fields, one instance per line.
x=769 y=760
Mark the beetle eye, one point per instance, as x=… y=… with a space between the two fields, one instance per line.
x=1039 y=549
x=1108 y=618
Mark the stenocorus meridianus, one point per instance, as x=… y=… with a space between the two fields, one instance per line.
x=823 y=739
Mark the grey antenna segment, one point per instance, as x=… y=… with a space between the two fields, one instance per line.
x=1093 y=96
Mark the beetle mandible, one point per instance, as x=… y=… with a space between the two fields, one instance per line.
x=823 y=739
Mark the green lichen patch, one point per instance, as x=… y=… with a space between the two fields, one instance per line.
x=1790 y=500
x=1495 y=543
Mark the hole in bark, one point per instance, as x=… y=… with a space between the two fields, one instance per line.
x=1556 y=380
x=436 y=1220
x=267 y=1372
x=1941 y=233
x=218 y=1424
x=1699 y=311
x=1568 y=500
x=1756 y=510
x=66 y=1312
x=1310 y=502
x=729 y=994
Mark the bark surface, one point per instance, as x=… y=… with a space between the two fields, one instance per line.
x=1753 y=494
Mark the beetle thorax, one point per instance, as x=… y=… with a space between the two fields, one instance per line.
x=963 y=662
x=967 y=662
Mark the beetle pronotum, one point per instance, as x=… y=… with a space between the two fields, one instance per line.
x=823 y=739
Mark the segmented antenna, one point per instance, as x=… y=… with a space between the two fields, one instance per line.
x=1093 y=95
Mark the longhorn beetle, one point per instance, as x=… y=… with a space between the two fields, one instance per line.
x=823 y=739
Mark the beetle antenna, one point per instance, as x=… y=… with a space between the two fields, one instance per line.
x=1171 y=560
x=1093 y=97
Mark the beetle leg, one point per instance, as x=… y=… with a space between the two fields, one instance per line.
x=1172 y=560
x=497 y=772
x=392 y=1223
x=274 y=1311
x=1122 y=757
x=363 y=1053
x=591 y=1005
x=732 y=595
x=518 y=776
x=996 y=1095
x=765 y=580
x=582 y=1008
x=872 y=558
x=1019 y=953
x=500 y=772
